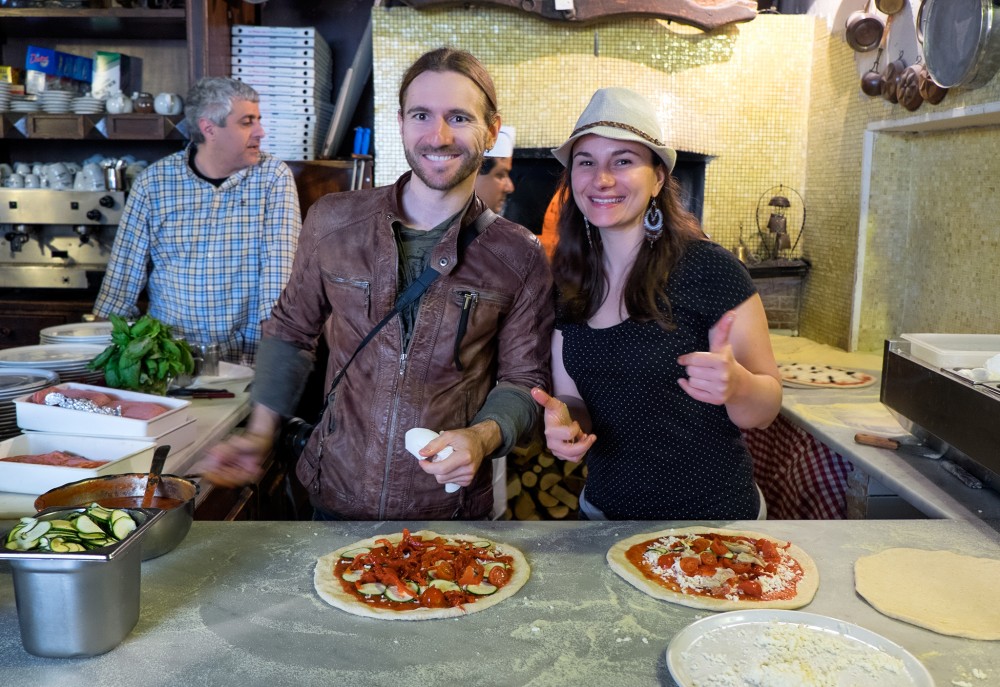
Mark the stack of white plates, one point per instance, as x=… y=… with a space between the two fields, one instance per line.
x=68 y=360
x=78 y=332
x=87 y=104
x=15 y=382
x=24 y=105
x=4 y=96
x=55 y=102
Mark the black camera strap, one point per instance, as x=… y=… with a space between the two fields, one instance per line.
x=416 y=288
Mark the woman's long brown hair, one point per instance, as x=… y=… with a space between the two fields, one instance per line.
x=578 y=266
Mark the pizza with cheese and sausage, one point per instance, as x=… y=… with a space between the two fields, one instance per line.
x=717 y=569
x=420 y=576
x=826 y=376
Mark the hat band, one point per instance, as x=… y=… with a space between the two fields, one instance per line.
x=619 y=125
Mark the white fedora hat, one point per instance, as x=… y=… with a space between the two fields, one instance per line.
x=623 y=115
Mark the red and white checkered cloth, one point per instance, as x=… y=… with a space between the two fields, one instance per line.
x=802 y=479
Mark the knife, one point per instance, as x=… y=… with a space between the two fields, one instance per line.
x=918 y=450
x=201 y=393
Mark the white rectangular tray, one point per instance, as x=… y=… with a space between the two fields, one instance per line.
x=954 y=350
x=123 y=455
x=35 y=416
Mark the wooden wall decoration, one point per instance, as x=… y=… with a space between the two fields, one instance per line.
x=704 y=14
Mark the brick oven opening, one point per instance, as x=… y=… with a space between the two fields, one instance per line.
x=535 y=174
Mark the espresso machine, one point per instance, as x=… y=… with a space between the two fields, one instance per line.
x=56 y=239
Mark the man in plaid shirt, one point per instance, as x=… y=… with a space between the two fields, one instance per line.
x=210 y=232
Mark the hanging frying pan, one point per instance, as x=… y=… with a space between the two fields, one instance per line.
x=961 y=45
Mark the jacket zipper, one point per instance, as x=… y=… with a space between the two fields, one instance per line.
x=469 y=300
x=360 y=284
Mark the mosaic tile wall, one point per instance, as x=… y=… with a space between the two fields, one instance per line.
x=737 y=94
x=772 y=101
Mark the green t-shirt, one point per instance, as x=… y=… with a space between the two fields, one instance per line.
x=415 y=247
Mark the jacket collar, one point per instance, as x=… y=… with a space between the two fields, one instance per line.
x=445 y=255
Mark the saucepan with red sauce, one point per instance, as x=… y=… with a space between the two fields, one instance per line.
x=173 y=494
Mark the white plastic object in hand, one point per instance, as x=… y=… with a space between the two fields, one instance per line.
x=417 y=438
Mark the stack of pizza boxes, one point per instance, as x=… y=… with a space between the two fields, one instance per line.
x=291 y=68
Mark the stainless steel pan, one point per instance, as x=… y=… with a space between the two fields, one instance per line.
x=960 y=41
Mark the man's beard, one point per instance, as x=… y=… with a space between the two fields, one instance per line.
x=470 y=165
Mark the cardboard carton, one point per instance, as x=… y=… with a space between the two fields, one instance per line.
x=113 y=72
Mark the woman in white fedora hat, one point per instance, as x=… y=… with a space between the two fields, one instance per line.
x=661 y=353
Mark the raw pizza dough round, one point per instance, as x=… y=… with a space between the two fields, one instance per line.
x=804 y=591
x=941 y=591
x=331 y=591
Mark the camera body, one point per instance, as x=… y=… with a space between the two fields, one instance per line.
x=295 y=433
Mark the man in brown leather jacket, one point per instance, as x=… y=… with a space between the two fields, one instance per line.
x=461 y=361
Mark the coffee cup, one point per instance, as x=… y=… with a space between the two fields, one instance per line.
x=32 y=181
x=14 y=180
x=22 y=168
x=93 y=177
x=168 y=104
x=58 y=176
x=5 y=170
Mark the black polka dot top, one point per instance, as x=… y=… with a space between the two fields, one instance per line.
x=660 y=454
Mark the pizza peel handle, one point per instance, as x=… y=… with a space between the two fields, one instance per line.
x=417 y=438
x=876 y=441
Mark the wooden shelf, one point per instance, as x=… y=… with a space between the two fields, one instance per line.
x=74 y=127
x=116 y=22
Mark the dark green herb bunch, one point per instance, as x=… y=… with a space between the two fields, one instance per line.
x=143 y=356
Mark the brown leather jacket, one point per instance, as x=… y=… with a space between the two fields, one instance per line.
x=345 y=278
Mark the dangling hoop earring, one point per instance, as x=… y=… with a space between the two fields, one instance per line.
x=590 y=240
x=652 y=222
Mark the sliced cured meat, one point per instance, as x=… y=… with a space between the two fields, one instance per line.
x=66 y=459
x=139 y=410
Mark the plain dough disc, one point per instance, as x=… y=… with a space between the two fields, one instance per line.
x=939 y=590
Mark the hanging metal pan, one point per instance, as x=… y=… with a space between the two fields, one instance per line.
x=889 y=6
x=961 y=42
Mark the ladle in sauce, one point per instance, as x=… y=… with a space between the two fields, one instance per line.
x=159 y=458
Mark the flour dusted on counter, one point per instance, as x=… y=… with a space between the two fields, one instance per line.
x=790 y=655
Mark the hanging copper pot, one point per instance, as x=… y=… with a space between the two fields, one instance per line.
x=908 y=91
x=929 y=89
x=890 y=82
x=864 y=29
x=890 y=6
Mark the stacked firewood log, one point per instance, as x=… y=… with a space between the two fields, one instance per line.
x=540 y=486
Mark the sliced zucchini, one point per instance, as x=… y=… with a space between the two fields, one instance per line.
x=371 y=589
x=351 y=553
x=118 y=513
x=489 y=565
x=85 y=524
x=481 y=589
x=122 y=527
x=58 y=545
x=394 y=594
x=28 y=538
x=445 y=585
x=99 y=512
x=482 y=544
x=352 y=575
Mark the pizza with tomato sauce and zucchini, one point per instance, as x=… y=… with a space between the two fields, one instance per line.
x=420 y=576
x=717 y=569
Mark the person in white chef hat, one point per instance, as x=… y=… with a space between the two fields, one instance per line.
x=493 y=184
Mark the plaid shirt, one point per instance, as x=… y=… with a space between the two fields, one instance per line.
x=213 y=260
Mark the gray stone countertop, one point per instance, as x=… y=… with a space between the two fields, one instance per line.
x=234 y=604
x=834 y=416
